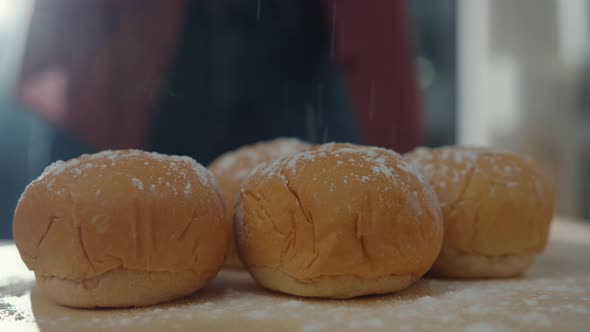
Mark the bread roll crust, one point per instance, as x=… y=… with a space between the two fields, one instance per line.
x=336 y=287
x=331 y=217
x=495 y=204
x=232 y=168
x=124 y=210
x=479 y=266
x=122 y=288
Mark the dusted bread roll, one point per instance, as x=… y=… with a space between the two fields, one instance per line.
x=497 y=209
x=232 y=168
x=122 y=228
x=339 y=221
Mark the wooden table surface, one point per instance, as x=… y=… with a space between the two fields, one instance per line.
x=554 y=295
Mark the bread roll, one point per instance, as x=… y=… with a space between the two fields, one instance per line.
x=338 y=222
x=232 y=168
x=122 y=228
x=497 y=209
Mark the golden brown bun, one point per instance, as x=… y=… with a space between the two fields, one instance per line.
x=118 y=219
x=478 y=266
x=122 y=288
x=496 y=205
x=337 y=287
x=232 y=168
x=339 y=223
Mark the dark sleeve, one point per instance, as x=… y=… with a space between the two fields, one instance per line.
x=94 y=67
x=371 y=45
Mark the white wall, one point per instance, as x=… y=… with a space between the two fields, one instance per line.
x=522 y=64
x=14 y=21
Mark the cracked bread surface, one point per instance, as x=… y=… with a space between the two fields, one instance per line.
x=338 y=221
x=497 y=209
x=232 y=168
x=128 y=213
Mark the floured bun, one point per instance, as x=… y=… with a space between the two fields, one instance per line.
x=122 y=228
x=497 y=209
x=338 y=222
x=232 y=168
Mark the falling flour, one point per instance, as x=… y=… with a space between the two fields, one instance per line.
x=237 y=164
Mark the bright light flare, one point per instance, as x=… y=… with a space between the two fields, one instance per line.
x=8 y=11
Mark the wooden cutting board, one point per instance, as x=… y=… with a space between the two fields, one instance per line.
x=554 y=295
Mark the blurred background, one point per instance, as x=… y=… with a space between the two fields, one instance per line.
x=202 y=77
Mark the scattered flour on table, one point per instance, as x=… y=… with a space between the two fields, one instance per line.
x=313 y=327
x=406 y=328
x=258 y=314
x=291 y=304
x=373 y=323
x=536 y=318
x=480 y=309
x=430 y=304
x=483 y=327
